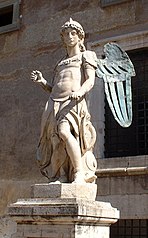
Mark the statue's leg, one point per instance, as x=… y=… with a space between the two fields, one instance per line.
x=58 y=161
x=73 y=150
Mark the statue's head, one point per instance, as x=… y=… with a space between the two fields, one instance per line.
x=79 y=29
x=74 y=25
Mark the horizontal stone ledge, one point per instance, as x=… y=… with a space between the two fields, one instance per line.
x=131 y=35
x=65 y=220
x=61 y=208
x=113 y=172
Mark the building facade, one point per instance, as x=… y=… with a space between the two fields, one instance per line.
x=30 y=39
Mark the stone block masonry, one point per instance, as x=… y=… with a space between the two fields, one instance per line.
x=63 y=211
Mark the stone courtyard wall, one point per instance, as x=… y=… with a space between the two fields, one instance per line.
x=37 y=45
x=124 y=184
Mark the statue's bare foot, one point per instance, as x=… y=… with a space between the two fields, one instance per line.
x=59 y=180
x=90 y=177
x=79 y=178
x=55 y=182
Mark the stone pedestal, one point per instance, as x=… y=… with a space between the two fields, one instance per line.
x=63 y=211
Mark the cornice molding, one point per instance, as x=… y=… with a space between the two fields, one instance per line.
x=114 y=172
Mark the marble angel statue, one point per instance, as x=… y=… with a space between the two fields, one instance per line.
x=65 y=149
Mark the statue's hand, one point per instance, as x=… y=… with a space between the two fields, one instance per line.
x=76 y=95
x=36 y=76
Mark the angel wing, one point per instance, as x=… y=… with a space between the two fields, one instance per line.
x=116 y=69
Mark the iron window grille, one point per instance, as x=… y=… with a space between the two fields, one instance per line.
x=136 y=228
x=131 y=141
x=105 y=3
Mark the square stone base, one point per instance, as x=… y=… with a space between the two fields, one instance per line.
x=63 y=211
x=65 y=190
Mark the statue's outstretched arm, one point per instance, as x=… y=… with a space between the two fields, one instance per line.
x=36 y=76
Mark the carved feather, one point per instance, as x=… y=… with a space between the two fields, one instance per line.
x=116 y=69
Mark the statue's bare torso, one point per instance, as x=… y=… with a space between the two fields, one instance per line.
x=68 y=78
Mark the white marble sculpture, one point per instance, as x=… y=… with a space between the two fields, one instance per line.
x=65 y=150
x=67 y=135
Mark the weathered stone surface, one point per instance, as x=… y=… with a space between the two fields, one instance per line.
x=97 y=95
x=65 y=190
x=62 y=217
x=131 y=206
x=126 y=162
x=10 y=191
x=59 y=210
x=34 y=209
x=123 y=185
x=127 y=192
x=61 y=230
x=7 y=227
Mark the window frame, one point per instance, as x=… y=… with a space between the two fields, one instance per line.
x=106 y=3
x=15 y=25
